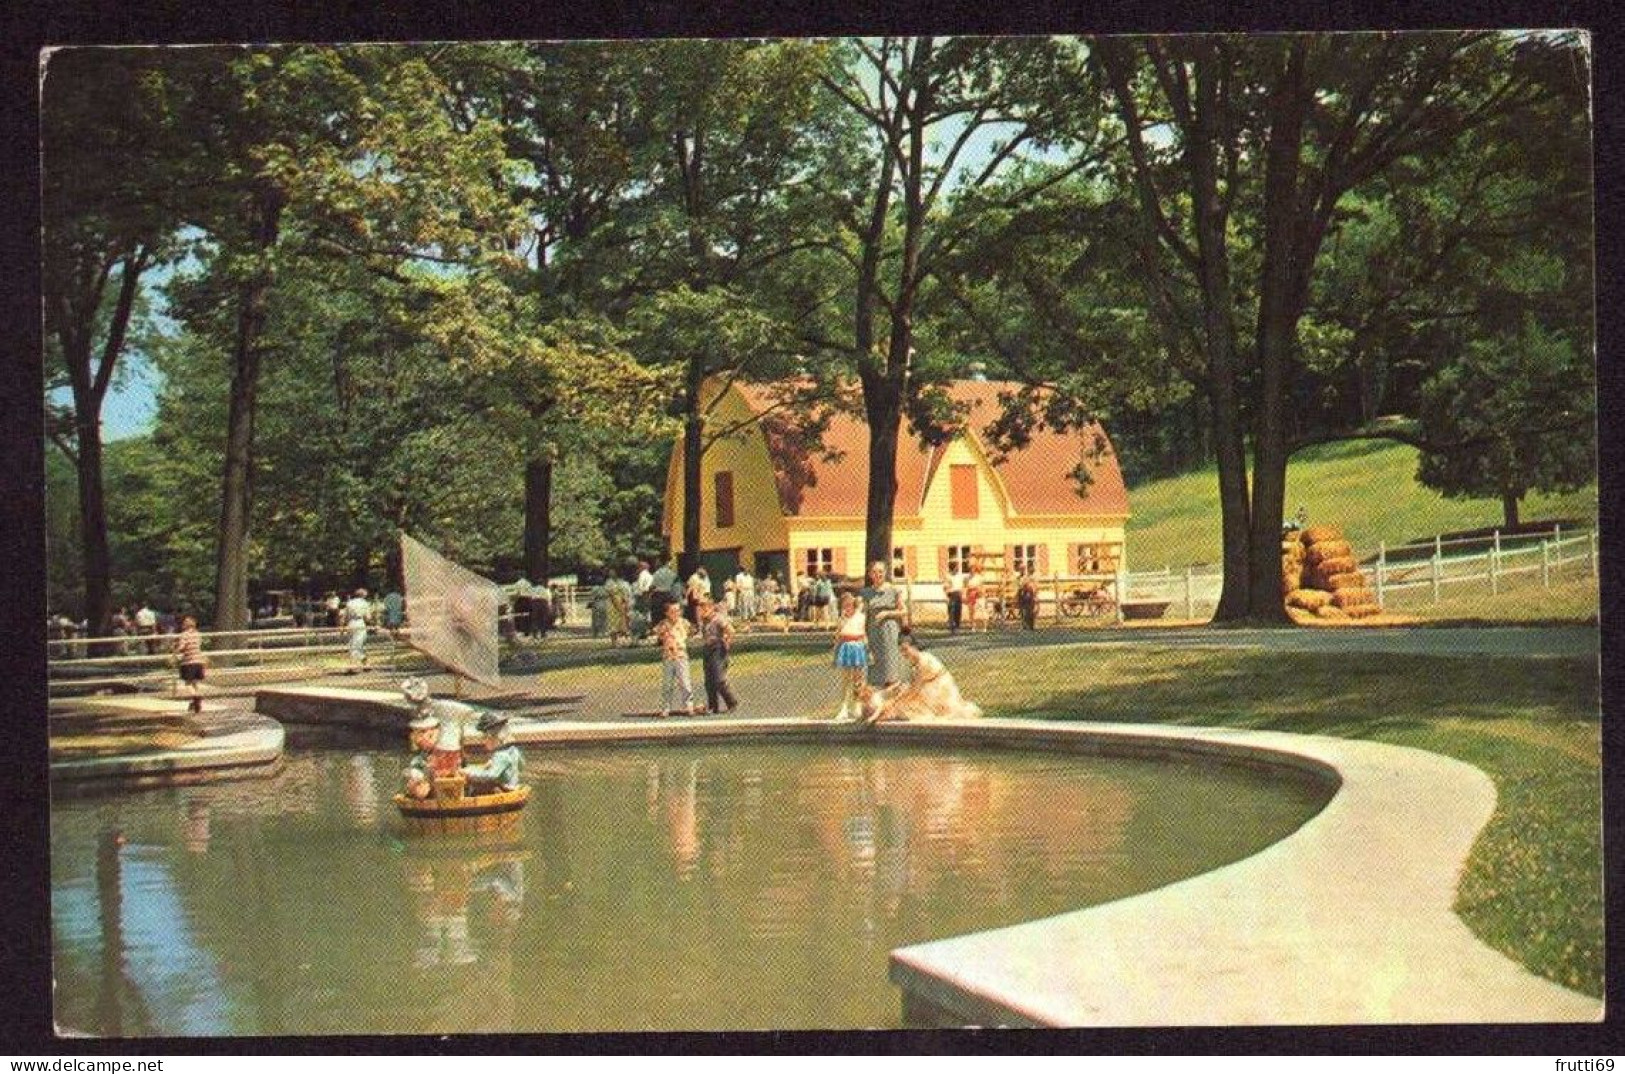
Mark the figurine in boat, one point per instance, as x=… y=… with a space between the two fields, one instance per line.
x=423 y=732
x=477 y=798
x=451 y=717
x=501 y=772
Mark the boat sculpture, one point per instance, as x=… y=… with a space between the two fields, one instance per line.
x=454 y=622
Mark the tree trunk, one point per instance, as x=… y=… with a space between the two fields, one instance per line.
x=538 y=519
x=1279 y=308
x=93 y=525
x=394 y=567
x=1509 y=508
x=236 y=499
x=693 y=455
x=883 y=405
x=1235 y=505
x=1219 y=341
x=89 y=390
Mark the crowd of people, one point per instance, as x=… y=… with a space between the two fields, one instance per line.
x=886 y=673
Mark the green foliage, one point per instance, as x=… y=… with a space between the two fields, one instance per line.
x=1511 y=415
x=490 y=253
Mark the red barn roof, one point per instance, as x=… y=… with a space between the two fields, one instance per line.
x=1037 y=478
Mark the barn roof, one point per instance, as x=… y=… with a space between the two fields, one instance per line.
x=1037 y=479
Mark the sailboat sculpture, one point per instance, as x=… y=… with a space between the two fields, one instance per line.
x=454 y=622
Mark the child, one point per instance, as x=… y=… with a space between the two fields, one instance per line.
x=189 y=655
x=672 y=634
x=851 y=656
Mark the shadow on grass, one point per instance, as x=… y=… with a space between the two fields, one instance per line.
x=1350 y=694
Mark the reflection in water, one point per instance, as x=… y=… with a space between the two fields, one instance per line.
x=115 y=984
x=738 y=887
x=195 y=831
x=468 y=971
x=361 y=790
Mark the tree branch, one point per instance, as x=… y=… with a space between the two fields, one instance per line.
x=1150 y=198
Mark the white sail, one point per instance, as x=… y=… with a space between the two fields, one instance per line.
x=453 y=612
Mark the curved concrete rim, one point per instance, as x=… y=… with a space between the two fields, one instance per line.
x=259 y=743
x=1348 y=920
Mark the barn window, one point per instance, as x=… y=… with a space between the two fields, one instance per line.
x=818 y=561
x=1024 y=558
x=959 y=559
x=962 y=485
x=899 y=564
x=1088 y=560
x=725 y=498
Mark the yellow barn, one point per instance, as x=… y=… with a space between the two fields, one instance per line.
x=771 y=504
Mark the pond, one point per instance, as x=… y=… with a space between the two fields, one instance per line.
x=716 y=887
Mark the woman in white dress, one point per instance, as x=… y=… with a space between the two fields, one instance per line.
x=932 y=694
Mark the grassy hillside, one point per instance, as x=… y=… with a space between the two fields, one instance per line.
x=1368 y=487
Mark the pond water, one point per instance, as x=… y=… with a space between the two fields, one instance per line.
x=708 y=887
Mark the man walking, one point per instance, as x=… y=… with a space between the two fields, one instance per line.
x=356 y=611
x=956 y=599
x=716 y=635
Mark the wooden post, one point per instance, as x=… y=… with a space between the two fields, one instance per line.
x=1546 y=564
x=1495 y=565
x=1437 y=565
x=1382 y=569
x=1190 y=604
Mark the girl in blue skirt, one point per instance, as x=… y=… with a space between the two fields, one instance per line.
x=851 y=655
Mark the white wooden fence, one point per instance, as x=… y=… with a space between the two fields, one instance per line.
x=1432 y=567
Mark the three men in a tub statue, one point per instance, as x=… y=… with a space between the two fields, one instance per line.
x=436 y=735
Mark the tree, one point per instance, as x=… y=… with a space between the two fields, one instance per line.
x=1278 y=132
x=1510 y=416
x=911 y=97
x=101 y=137
x=346 y=153
x=739 y=128
x=571 y=121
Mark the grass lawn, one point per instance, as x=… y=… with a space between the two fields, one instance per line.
x=1368 y=487
x=1533 y=884
x=1573 y=600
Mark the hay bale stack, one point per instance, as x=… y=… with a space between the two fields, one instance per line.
x=1311 y=600
x=1321 y=575
x=1328 y=569
x=1292 y=560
